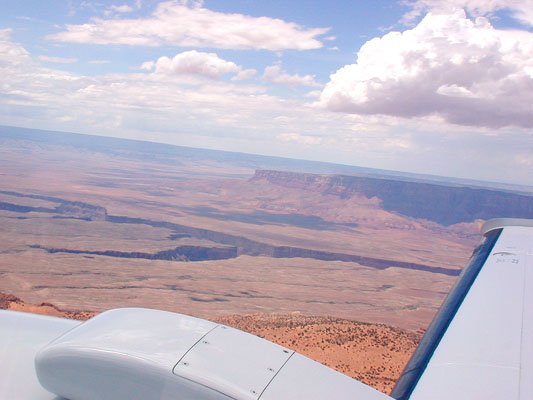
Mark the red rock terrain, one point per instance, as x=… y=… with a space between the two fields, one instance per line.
x=374 y=354
x=13 y=303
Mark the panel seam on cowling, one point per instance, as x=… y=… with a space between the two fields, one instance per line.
x=190 y=348
x=276 y=374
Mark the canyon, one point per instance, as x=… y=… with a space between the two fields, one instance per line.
x=92 y=223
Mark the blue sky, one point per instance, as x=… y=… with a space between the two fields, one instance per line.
x=440 y=87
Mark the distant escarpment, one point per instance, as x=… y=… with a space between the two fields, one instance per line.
x=446 y=205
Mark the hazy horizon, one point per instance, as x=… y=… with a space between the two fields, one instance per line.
x=315 y=166
x=423 y=86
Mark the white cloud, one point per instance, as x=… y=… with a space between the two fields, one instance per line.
x=58 y=60
x=244 y=75
x=193 y=63
x=147 y=65
x=298 y=138
x=522 y=10
x=275 y=74
x=313 y=94
x=175 y=23
x=464 y=71
x=192 y=111
x=11 y=53
x=124 y=8
x=99 y=62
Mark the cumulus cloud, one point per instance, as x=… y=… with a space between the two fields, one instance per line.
x=275 y=74
x=11 y=53
x=148 y=65
x=522 y=10
x=183 y=109
x=244 y=75
x=193 y=63
x=313 y=94
x=464 y=71
x=58 y=60
x=176 y=23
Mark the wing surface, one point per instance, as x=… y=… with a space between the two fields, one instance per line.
x=137 y=354
x=480 y=344
x=22 y=335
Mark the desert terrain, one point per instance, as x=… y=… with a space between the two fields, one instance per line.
x=94 y=223
x=293 y=251
x=92 y=231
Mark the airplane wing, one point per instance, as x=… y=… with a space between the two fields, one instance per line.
x=478 y=347
x=22 y=335
x=480 y=344
x=143 y=354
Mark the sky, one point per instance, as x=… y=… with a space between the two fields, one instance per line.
x=441 y=87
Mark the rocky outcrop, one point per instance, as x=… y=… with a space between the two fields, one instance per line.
x=446 y=205
x=10 y=302
x=7 y=299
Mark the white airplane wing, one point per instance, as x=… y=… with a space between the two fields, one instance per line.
x=480 y=344
x=478 y=347
x=142 y=354
x=22 y=335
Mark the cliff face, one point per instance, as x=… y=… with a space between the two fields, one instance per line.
x=242 y=245
x=180 y=253
x=446 y=205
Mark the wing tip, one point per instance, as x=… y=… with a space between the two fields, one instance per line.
x=498 y=223
x=437 y=329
